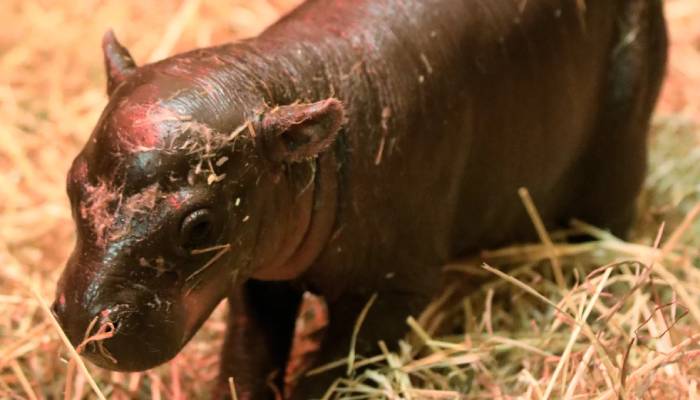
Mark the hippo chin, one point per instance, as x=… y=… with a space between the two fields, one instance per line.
x=351 y=149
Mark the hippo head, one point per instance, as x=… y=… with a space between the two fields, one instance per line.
x=181 y=193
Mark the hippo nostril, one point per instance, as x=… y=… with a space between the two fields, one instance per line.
x=112 y=327
x=115 y=320
x=107 y=325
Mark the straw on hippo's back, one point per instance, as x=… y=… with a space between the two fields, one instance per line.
x=352 y=148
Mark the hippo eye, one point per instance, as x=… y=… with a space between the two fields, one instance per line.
x=196 y=229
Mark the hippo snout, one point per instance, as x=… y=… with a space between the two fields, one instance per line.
x=119 y=336
x=124 y=314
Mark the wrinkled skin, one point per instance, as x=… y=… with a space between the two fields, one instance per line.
x=353 y=148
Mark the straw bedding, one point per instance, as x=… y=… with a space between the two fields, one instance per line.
x=626 y=324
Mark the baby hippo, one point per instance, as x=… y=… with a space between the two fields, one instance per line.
x=350 y=150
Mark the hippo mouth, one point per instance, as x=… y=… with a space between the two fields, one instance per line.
x=123 y=338
x=127 y=339
x=144 y=333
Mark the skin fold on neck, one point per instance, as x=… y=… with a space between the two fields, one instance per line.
x=316 y=211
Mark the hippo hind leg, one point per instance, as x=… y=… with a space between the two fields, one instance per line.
x=384 y=320
x=612 y=170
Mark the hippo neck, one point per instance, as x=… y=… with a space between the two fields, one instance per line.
x=317 y=208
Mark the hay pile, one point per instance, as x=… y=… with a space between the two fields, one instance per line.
x=628 y=329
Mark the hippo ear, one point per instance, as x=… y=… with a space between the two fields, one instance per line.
x=118 y=61
x=297 y=132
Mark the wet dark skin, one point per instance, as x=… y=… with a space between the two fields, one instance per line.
x=352 y=148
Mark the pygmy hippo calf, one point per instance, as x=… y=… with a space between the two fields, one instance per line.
x=352 y=148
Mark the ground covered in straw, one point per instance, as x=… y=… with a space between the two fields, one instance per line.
x=624 y=324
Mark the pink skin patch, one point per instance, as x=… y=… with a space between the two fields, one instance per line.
x=139 y=204
x=79 y=172
x=176 y=200
x=139 y=121
x=142 y=202
x=139 y=127
x=104 y=203
x=96 y=208
x=134 y=128
x=62 y=299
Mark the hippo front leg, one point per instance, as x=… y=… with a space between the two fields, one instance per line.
x=258 y=338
